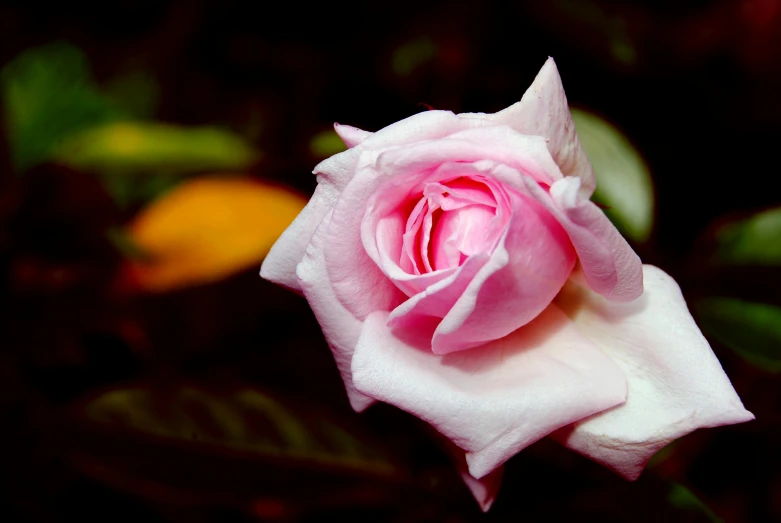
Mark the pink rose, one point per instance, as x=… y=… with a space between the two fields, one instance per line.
x=440 y=256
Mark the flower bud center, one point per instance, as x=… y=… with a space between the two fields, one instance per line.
x=450 y=222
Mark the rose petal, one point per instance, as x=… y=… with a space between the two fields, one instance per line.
x=484 y=489
x=544 y=111
x=417 y=319
x=676 y=384
x=525 y=272
x=428 y=125
x=500 y=144
x=279 y=265
x=351 y=136
x=341 y=329
x=495 y=400
x=609 y=264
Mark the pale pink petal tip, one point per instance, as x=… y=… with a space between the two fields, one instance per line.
x=484 y=489
x=351 y=136
x=543 y=111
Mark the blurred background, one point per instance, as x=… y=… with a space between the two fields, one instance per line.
x=152 y=151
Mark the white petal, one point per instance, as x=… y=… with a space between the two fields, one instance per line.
x=341 y=328
x=676 y=384
x=494 y=400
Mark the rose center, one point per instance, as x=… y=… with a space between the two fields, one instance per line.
x=450 y=222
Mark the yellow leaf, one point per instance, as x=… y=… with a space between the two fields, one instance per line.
x=207 y=229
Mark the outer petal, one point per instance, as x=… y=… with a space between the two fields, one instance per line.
x=351 y=136
x=676 y=384
x=279 y=265
x=484 y=489
x=429 y=125
x=341 y=328
x=609 y=264
x=494 y=401
x=526 y=154
x=543 y=111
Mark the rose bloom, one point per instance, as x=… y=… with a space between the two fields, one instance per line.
x=460 y=272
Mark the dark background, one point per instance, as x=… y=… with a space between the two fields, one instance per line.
x=694 y=85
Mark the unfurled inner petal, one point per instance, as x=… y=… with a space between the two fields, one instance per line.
x=460 y=233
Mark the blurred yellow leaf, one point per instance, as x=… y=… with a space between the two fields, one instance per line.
x=209 y=228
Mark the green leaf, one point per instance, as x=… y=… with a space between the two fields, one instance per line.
x=48 y=93
x=683 y=498
x=753 y=330
x=130 y=147
x=623 y=179
x=245 y=420
x=753 y=241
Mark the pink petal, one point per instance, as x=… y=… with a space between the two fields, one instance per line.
x=279 y=265
x=676 y=384
x=417 y=319
x=492 y=401
x=351 y=136
x=609 y=264
x=341 y=328
x=526 y=154
x=523 y=275
x=484 y=489
x=358 y=282
x=428 y=125
x=544 y=111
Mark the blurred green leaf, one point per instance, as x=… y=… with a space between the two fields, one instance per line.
x=128 y=147
x=246 y=420
x=683 y=498
x=756 y=240
x=753 y=330
x=410 y=55
x=191 y=445
x=623 y=179
x=326 y=143
x=48 y=93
